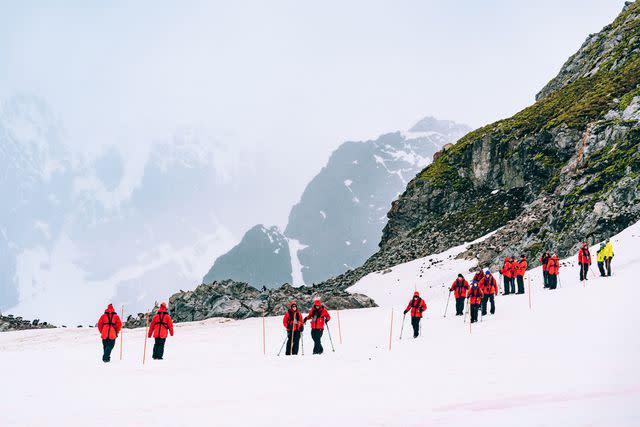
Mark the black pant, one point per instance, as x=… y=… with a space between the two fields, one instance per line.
x=584 y=269
x=158 y=348
x=316 y=335
x=521 y=284
x=506 y=281
x=460 y=306
x=292 y=348
x=474 y=312
x=607 y=263
x=545 y=276
x=415 y=322
x=107 y=346
x=489 y=298
x=553 y=281
x=601 y=268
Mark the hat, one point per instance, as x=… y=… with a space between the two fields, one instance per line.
x=460 y=275
x=487 y=272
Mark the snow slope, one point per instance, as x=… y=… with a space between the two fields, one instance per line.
x=572 y=360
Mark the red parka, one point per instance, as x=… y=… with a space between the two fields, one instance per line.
x=488 y=285
x=318 y=315
x=478 y=276
x=507 y=268
x=475 y=295
x=521 y=267
x=584 y=256
x=161 y=324
x=460 y=287
x=293 y=319
x=109 y=324
x=553 y=266
x=544 y=261
x=417 y=306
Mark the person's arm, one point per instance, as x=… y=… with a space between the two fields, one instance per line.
x=152 y=325
x=118 y=324
x=408 y=307
x=326 y=315
x=100 y=323
x=285 y=320
x=170 y=324
x=423 y=306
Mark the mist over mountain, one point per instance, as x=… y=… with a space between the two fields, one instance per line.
x=338 y=221
x=76 y=229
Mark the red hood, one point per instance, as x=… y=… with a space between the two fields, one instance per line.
x=291 y=304
x=110 y=309
x=163 y=308
x=317 y=303
x=416 y=294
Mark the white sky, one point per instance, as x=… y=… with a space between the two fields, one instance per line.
x=286 y=80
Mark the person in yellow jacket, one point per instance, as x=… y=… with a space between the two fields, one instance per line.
x=608 y=255
x=600 y=259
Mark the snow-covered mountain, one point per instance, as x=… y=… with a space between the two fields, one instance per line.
x=339 y=220
x=88 y=229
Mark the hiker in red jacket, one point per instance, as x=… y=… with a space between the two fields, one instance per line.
x=584 y=259
x=521 y=269
x=417 y=306
x=161 y=326
x=544 y=260
x=508 y=277
x=478 y=276
x=109 y=326
x=553 y=269
x=460 y=288
x=319 y=316
x=294 y=324
x=489 y=288
x=475 y=299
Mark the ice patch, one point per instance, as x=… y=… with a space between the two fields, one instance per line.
x=296 y=266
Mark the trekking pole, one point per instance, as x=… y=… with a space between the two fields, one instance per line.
x=302 y=342
x=402 y=328
x=282 y=346
x=447 y=306
x=529 y=281
x=264 y=339
x=146 y=332
x=121 y=333
x=330 y=340
x=466 y=310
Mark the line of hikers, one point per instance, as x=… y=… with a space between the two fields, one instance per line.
x=480 y=293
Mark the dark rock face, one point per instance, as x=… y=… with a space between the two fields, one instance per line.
x=238 y=300
x=262 y=258
x=11 y=323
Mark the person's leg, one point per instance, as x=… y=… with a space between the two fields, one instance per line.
x=484 y=304
x=104 y=350
x=608 y=263
x=505 y=283
x=459 y=306
x=316 y=341
x=289 y=344
x=415 y=324
x=553 y=281
x=296 y=341
x=320 y=348
x=493 y=304
x=161 y=342
x=513 y=285
x=601 y=268
x=545 y=277
x=154 y=354
x=474 y=312
x=109 y=348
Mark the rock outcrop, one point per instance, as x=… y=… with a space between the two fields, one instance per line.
x=11 y=323
x=237 y=300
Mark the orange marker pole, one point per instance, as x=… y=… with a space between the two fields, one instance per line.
x=146 y=331
x=391 y=330
x=339 y=328
x=264 y=339
x=529 y=279
x=121 y=332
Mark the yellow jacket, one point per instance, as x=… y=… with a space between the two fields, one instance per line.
x=608 y=250
x=601 y=253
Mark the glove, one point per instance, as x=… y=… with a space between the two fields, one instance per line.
x=305 y=320
x=301 y=329
x=405 y=312
x=326 y=320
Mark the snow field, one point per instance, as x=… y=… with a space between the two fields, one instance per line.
x=571 y=360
